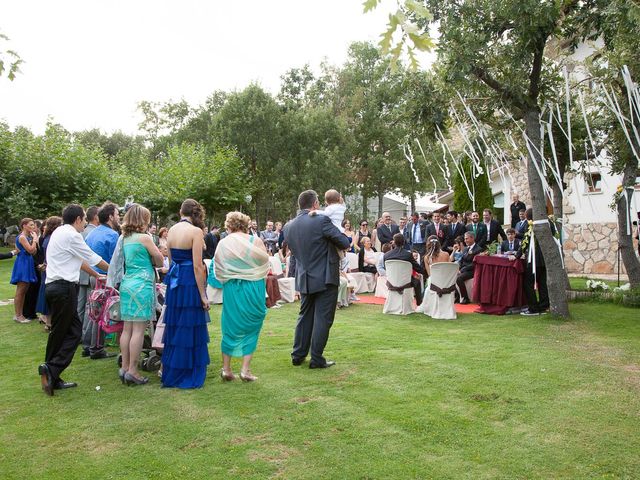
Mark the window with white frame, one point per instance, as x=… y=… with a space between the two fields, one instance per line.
x=593 y=183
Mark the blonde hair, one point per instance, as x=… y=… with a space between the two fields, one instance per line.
x=332 y=196
x=136 y=220
x=237 y=222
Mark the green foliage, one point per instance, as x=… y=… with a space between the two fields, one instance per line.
x=10 y=61
x=479 y=186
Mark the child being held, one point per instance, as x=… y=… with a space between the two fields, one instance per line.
x=335 y=208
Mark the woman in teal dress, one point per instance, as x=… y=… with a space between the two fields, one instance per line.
x=137 y=290
x=241 y=264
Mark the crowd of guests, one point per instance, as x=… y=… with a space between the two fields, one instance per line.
x=62 y=260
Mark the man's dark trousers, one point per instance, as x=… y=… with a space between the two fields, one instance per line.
x=317 y=311
x=538 y=303
x=66 y=326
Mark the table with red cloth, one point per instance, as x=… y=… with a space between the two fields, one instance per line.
x=497 y=284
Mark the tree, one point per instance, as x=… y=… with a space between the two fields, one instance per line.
x=10 y=61
x=479 y=186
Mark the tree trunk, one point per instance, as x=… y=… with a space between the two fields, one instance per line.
x=625 y=242
x=556 y=276
x=380 y=204
x=365 y=209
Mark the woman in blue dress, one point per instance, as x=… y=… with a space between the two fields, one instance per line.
x=185 y=356
x=41 y=307
x=241 y=264
x=24 y=272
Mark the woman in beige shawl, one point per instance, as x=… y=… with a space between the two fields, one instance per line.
x=241 y=264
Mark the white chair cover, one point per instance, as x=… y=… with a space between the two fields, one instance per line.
x=399 y=274
x=287 y=288
x=381 y=288
x=213 y=294
x=469 y=286
x=443 y=275
x=353 y=261
x=363 y=282
x=276 y=266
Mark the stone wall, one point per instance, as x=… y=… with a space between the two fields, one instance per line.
x=591 y=248
x=520 y=184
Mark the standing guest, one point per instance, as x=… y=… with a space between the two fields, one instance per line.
x=185 y=356
x=152 y=231
x=478 y=228
x=418 y=233
x=211 y=240
x=270 y=238
x=313 y=241
x=24 y=271
x=242 y=263
x=537 y=304
x=511 y=244
x=67 y=252
x=280 y=233
x=253 y=228
x=50 y=226
x=137 y=290
x=434 y=254
x=346 y=225
x=102 y=240
x=523 y=225
x=367 y=257
x=399 y=253
x=515 y=207
x=364 y=232
x=425 y=217
x=162 y=237
x=85 y=285
x=466 y=218
x=387 y=230
x=404 y=230
x=493 y=229
x=438 y=229
x=466 y=265
x=31 y=297
x=456 y=229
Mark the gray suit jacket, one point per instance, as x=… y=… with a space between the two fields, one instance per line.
x=84 y=277
x=313 y=241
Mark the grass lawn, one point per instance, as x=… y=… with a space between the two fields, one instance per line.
x=479 y=397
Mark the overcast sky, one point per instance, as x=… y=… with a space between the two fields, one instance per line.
x=88 y=63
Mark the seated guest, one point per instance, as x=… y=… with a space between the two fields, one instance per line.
x=434 y=254
x=347 y=283
x=367 y=257
x=399 y=253
x=466 y=265
x=458 y=247
x=511 y=244
x=380 y=266
x=523 y=225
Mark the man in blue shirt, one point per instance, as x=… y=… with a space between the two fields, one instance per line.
x=102 y=240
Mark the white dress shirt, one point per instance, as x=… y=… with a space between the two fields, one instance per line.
x=65 y=254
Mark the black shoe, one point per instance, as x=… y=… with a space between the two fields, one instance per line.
x=45 y=379
x=102 y=354
x=464 y=301
x=529 y=313
x=85 y=352
x=327 y=364
x=296 y=362
x=61 y=385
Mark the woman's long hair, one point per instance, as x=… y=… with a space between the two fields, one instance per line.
x=192 y=209
x=433 y=247
x=136 y=220
x=50 y=224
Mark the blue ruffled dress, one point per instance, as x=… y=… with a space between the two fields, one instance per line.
x=186 y=354
x=24 y=269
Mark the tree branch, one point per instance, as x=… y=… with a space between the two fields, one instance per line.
x=503 y=90
x=536 y=69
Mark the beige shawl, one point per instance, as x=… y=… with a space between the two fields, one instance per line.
x=239 y=258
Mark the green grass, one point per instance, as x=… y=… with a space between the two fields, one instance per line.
x=479 y=397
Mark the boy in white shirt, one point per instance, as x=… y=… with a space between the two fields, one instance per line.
x=335 y=208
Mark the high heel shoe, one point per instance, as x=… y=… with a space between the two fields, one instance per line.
x=227 y=377
x=247 y=376
x=121 y=374
x=131 y=380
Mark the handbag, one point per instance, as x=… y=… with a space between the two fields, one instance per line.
x=157 y=342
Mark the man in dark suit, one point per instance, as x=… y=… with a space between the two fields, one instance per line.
x=388 y=230
x=210 y=244
x=456 y=229
x=417 y=234
x=399 y=253
x=511 y=244
x=493 y=229
x=403 y=228
x=522 y=226
x=438 y=229
x=314 y=241
x=466 y=264
x=515 y=208
x=478 y=228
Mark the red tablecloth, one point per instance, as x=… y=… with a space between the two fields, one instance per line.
x=497 y=284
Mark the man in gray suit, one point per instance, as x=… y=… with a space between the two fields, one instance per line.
x=85 y=287
x=313 y=241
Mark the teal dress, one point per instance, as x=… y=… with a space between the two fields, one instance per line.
x=137 y=295
x=243 y=312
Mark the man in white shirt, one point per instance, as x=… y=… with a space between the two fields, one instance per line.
x=66 y=255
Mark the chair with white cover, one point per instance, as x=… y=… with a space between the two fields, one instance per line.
x=439 y=298
x=399 y=276
x=286 y=285
x=469 y=286
x=353 y=261
x=213 y=294
x=381 y=287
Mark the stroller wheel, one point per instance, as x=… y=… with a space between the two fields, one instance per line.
x=153 y=363
x=120 y=360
